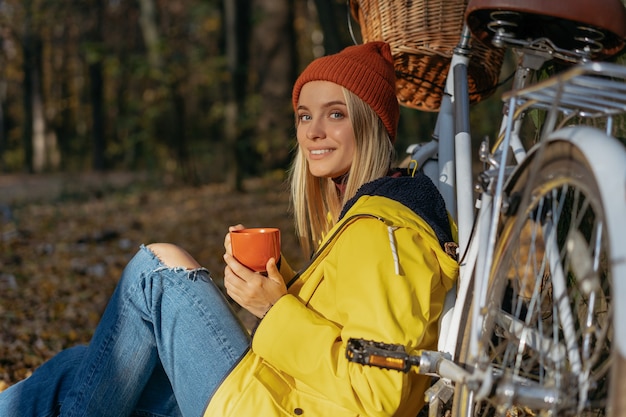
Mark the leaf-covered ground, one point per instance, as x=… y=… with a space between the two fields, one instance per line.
x=63 y=247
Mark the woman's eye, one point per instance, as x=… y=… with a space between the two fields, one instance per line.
x=304 y=117
x=336 y=115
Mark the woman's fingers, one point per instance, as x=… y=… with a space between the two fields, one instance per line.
x=227 y=245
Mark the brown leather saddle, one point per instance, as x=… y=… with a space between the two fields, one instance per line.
x=598 y=25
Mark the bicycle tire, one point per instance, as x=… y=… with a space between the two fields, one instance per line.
x=547 y=332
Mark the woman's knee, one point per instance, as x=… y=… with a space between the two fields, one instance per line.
x=173 y=256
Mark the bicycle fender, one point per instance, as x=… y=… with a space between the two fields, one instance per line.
x=607 y=159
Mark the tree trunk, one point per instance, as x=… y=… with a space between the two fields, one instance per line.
x=34 y=139
x=97 y=91
x=40 y=152
x=150 y=32
x=40 y=149
x=333 y=18
x=97 y=115
x=273 y=64
x=179 y=137
x=236 y=23
x=3 y=139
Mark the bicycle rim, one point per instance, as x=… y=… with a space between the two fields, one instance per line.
x=547 y=329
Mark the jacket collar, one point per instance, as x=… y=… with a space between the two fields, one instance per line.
x=418 y=193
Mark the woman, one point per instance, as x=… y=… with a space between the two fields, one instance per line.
x=168 y=344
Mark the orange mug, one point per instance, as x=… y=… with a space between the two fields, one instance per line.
x=253 y=247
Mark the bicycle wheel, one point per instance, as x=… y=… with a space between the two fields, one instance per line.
x=547 y=331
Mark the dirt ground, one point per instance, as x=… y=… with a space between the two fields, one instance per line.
x=64 y=241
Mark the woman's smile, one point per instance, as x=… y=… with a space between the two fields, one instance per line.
x=320 y=152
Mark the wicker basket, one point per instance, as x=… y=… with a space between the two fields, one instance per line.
x=422 y=35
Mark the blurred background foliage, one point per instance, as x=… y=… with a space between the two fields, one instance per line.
x=192 y=90
x=196 y=91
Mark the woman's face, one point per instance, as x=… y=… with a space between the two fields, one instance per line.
x=324 y=130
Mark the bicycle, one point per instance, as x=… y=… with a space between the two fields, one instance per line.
x=532 y=327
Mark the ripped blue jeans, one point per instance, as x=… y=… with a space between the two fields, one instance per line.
x=165 y=342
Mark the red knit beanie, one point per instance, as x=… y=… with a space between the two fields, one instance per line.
x=367 y=71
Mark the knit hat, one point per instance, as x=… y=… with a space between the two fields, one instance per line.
x=367 y=71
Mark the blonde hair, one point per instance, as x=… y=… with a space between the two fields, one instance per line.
x=316 y=201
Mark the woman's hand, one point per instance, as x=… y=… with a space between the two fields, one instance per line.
x=227 y=245
x=252 y=290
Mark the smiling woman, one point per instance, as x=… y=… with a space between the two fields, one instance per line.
x=168 y=343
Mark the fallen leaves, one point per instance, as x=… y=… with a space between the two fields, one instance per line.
x=60 y=260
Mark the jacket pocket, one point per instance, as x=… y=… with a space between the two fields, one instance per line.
x=273 y=394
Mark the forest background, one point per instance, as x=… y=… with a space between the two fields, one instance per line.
x=131 y=121
x=193 y=90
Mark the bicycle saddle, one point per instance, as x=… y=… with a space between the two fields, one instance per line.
x=597 y=27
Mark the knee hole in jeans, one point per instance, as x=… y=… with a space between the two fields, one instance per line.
x=173 y=256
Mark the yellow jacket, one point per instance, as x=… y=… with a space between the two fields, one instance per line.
x=380 y=275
